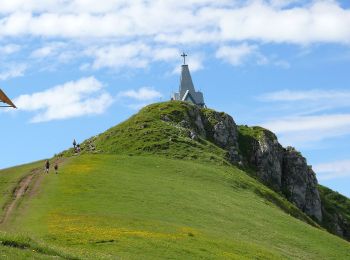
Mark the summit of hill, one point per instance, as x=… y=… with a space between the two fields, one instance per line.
x=174 y=181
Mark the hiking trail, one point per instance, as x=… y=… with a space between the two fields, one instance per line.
x=21 y=189
x=29 y=184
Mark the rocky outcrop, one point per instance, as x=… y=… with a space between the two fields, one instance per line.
x=266 y=157
x=223 y=131
x=299 y=183
x=220 y=128
x=284 y=170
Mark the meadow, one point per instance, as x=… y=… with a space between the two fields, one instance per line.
x=103 y=206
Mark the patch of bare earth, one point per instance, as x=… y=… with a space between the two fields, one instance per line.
x=22 y=188
x=28 y=185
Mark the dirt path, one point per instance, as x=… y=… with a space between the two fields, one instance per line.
x=22 y=187
x=30 y=185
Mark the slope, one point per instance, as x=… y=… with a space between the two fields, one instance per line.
x=107 y=206
x=169 y=182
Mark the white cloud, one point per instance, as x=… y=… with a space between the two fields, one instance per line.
x=165 y=54
x=195 y=21
x=136 y=99
x=306 y=123
x=321 y=21
x=92 y=6
x=307 y=102
x=118 y=34
x=302 y=123
x=298 y=131
x=194 y=61
x=50 y=49
x=236 y=54
x=9 y=49
x=129 y=55
x=142 y=94
x=308 y=95
x=72 y=99
x=332 y=170
x=12 y=71
x=117 y=56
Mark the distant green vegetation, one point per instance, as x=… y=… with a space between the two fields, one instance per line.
x=335 y=205
x=107 y=206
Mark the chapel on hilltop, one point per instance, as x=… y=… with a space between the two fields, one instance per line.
x=186 y=89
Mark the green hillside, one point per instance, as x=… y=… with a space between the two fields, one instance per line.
x=100 y=206
x=146 y=190
x=157 y=129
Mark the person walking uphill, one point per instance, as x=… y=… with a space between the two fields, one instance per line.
x=56 y=168
x=47 y=166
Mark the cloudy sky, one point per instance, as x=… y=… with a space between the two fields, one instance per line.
x=77 y=67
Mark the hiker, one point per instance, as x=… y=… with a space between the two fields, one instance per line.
x=47 y=166
x=74 y=143
x=78 y=148
x=56 y=168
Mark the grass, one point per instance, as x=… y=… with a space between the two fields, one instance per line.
x=107 y=206
x=144 y=189
x=9 y=179
x=151 y=133
x=17 y=246
x=335 y=205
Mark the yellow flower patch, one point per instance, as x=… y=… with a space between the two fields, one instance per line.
x=87 y=228
x=80 y=168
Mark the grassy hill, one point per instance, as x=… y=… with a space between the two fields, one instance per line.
x=101 y=206
x=144 y=189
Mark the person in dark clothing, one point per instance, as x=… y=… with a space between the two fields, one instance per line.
x=74 y=144
x=47 y=166
x=56 y=168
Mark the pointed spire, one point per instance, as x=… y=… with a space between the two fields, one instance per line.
x=187 y=91
x=185 y=81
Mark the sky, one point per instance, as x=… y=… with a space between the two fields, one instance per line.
x=75 y=68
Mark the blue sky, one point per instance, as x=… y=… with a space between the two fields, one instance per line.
x=75 y=68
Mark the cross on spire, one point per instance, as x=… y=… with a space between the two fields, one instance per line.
x=184 y=56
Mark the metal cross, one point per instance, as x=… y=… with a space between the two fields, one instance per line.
x=184 y=56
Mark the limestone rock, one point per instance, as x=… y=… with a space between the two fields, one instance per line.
x=267 y=158
x=299 y=183
x=224 y=133
x=219 y=128
x=284 y=170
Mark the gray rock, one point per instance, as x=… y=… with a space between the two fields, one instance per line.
x=286 y=170
x=268 y=156
x=299 y=183
x=222 y=129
